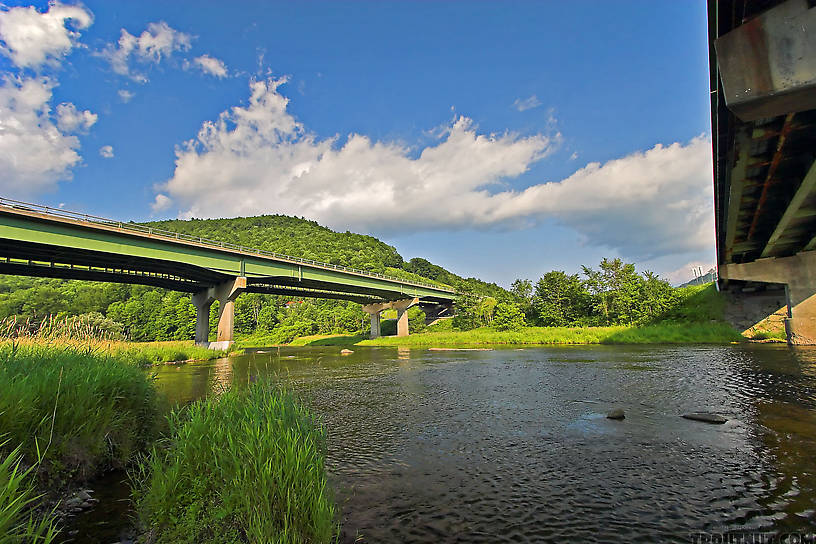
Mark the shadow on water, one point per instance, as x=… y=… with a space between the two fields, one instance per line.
x=513 y=444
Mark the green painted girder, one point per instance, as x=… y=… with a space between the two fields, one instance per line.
x=29 y=234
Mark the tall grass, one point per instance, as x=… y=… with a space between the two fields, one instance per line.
x=18 y=523
x=244 y=467
x=83 y=334
x=53 y=328
x=77 y=409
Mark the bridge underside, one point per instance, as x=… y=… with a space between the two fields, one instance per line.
x=763 y=95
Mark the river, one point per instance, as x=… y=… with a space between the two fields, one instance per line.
x=512 y=445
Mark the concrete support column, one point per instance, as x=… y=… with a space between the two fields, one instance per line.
x=402 y=314
x=374 y=310
x=225 y=293
x=375 y=324
x=798 y=273
x=202 y=329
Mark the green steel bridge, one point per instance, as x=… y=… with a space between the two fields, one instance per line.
x=51 y=242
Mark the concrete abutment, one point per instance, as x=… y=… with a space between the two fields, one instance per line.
x=798 y=274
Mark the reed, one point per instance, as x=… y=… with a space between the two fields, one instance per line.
x=243 y=467
x=19 y=520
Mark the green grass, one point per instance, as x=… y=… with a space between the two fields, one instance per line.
x=18 y=522
x=697 y=304
x=244 y=467
x=79 y=410
x=668 y=333
x=149 y=353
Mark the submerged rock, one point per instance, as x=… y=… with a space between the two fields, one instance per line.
x=706 y=417
x=617 y=413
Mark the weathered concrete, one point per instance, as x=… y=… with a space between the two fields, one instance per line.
x=225 y=294
x=402 y=314
x=798 y=274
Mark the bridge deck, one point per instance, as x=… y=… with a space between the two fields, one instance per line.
x=41 y=241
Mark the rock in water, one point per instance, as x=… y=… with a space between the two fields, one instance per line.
x=346 y=352
x=706 y=417
x=617 y=413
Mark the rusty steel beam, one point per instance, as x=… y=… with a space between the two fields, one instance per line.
x=769 y=178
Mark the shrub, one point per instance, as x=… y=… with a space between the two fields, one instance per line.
x=508 y=317
x=244 y=467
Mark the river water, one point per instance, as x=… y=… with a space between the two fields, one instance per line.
x=512 y=445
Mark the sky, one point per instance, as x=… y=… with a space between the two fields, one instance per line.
x=500 y=140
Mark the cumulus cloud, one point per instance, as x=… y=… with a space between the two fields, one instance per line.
x=259 y=159
x=34 y=152
x=524 y=104
x=125 y=95
x=106 y=151
x=158 y=41
x=31 y=38
x=70 y=119
x=211 y=65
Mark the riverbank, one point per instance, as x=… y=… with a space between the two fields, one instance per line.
x=72 y=410
x=667 y=333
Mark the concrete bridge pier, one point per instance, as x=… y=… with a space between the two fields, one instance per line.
x=402 y=314
x=798 y=273
x=225 y=293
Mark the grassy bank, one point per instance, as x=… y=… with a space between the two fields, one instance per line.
x=684 y=333
x=244 y=467
x=77 y=410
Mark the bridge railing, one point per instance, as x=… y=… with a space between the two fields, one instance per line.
x=152 y=231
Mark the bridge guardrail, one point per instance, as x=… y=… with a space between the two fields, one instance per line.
x=150 y=231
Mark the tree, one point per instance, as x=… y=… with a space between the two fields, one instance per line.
x=560 y=300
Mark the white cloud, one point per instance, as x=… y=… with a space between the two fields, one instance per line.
x=125 y=95
x=31 y=38
x=34 y=153
x=259 y=159
x=162 y=202
x=524 y=104
x=574 y=155
x=158 y=41
x=106 y=151
x=70 y=119
x=211 y=65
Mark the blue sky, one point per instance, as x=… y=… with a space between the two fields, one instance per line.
x=500 y=140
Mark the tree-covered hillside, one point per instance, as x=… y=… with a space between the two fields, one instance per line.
x=147 y=313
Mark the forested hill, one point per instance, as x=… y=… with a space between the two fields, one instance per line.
x=308 y=240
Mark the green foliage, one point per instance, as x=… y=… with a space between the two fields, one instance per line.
x=243 y=467
x=509 y=317
x=18 y=523
x=77 y=410
x=416 y=320
x=560 y=299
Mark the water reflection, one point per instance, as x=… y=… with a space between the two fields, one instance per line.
x=513 y=445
